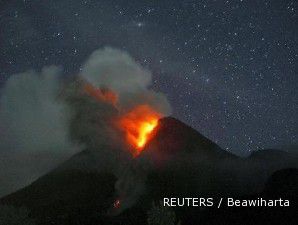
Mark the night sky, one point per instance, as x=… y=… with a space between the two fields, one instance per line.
x=228 y=68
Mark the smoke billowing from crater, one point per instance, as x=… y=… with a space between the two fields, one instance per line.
x=117 y=71
x=40 y=112
x=111 y=91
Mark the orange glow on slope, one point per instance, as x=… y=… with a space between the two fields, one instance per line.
x=101 y=94
x=138 y=125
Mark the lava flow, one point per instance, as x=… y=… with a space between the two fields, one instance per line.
x=138 y=125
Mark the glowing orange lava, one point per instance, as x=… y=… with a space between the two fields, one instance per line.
x=138 y=124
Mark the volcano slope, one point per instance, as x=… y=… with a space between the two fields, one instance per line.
x=182 y=163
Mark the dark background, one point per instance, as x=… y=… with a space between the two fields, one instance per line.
x=229 y=68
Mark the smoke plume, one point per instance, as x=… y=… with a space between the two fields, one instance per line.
x=32 y=117
x=42 y=113
x=116 y=70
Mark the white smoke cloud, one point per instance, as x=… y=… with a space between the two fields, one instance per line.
x=31 y=115
x=116 y=70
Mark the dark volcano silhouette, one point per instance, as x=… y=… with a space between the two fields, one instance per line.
x=173 y=136
x=190 y=165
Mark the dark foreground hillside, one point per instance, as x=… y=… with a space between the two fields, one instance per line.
x=282 y=184
x=69 y=197
x=75 y=197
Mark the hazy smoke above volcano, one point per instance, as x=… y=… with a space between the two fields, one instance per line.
x=116 y=70
x=34 y=117
x=110 y=85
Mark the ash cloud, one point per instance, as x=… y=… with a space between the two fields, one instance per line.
x=92 y=120
x=115 y=69
x=33 y=119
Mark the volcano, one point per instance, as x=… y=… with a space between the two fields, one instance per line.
x=185 y=163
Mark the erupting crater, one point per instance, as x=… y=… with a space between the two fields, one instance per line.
x=138 y=125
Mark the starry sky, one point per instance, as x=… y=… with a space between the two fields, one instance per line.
x=228 y=68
